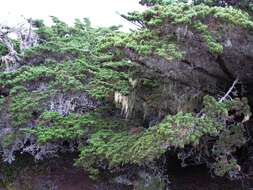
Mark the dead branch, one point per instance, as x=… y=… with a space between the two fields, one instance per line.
x=229 y=91
x=24 y=33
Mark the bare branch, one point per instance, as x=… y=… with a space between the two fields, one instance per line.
x=27 y=37
x=229 y=91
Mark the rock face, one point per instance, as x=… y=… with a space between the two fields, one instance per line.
x=199 y=68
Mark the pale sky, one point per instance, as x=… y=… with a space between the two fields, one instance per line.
x=100 y=12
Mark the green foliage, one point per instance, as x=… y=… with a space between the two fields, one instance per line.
x=246 y=5
x=65 y=61
x=224 y=166
x=182 y=14
x=144 y=42
x=160 y=2
x=174 y=131
x=3 y=50
x=214 y=47
x=61 y=128
x=52 y=127
x=7 y=140
x=78 y=59
x=228 y=142
x=1 y=101
x=70 y=76
x=24 y=105
x=79 y=40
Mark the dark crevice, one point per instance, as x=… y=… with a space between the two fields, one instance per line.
x=186 y=62
x=200 y=69
x=4 y=92
x=224 y=68
x=163 y=75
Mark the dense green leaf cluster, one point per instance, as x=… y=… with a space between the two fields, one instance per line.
x=23 y=105
x=7 y=140
x=175 y=131
x=246 y=5
x=145 y=42
x=53 y=127
x=160 y=2
x=182 y=14
x=3 y=50
x=65 y=61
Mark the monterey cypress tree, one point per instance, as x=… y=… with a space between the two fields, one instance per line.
x=179 y=85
